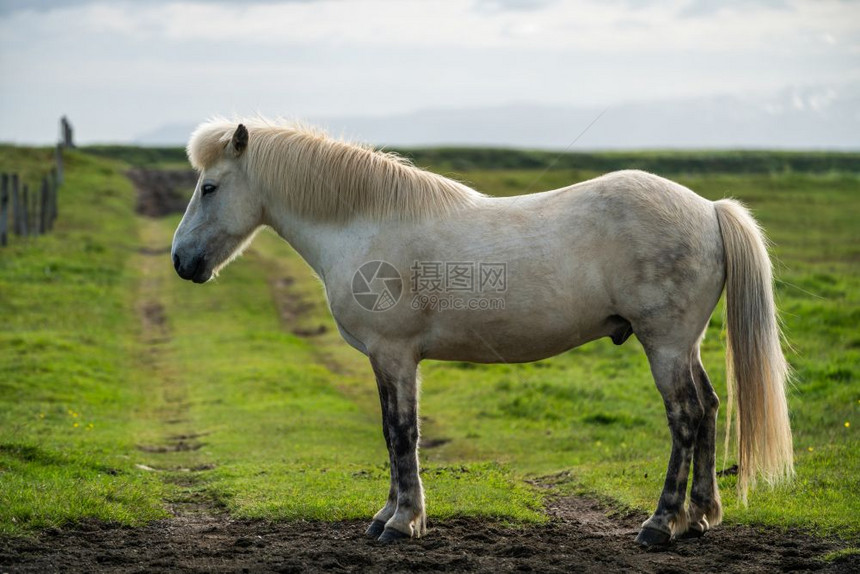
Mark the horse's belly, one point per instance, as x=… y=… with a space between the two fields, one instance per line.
x=491 y=351
x=483 y=340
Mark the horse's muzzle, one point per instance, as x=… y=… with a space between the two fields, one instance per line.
x=192 y=268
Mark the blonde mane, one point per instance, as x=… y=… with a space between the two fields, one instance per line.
x=329 y=179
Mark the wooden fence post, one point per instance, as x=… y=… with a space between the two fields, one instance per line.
x=17 y=215
x=4 y=209
x=66 y=132
x=25 y=212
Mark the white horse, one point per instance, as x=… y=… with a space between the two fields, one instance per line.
x=417 y=266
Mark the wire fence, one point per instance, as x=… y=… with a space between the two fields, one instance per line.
x=27 y=211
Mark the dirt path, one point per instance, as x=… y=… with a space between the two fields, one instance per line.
x=173 y=452
x=579 y=538
x=161 y=192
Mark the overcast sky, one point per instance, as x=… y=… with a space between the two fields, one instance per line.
x=119 y=69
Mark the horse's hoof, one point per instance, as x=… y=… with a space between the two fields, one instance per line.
x=391 y=535
x=375 y=529
x=651 y=537
x=691 y=533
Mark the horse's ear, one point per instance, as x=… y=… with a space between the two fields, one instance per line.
x=240 y=140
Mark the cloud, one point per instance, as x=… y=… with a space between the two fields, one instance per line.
x=511 y=5
x=11 y=6
x=706 y=8
x=120 y=67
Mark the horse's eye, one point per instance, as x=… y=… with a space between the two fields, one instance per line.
x=208 y=188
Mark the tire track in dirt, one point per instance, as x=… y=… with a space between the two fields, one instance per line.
x=161 y=191
x=194 y=511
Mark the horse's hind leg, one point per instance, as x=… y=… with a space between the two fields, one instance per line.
x=386 y=512
x=398 y=382
x=705 y=506
x=672 y=373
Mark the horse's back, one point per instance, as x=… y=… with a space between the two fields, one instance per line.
x=631 y=197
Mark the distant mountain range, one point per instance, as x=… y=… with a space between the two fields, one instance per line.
x=812 y=118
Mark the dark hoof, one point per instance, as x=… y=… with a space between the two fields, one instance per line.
x=390 y=535
x=691 y=533
x=651 y=537
x=375 y=529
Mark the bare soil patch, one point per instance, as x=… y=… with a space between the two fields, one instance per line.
x=153 y=251
x=176 y=446
x=153 y=318
x=581 y=537
x=433 y=442
x=162 y=191
x=293 y=309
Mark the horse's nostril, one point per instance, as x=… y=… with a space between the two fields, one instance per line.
x=176 y=262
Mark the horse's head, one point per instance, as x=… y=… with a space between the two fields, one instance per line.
x=223 y=213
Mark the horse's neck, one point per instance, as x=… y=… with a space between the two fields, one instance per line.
x=319 y=243
x=299 y=233
x=319 y=240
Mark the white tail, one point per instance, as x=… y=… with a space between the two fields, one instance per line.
x=756 y=368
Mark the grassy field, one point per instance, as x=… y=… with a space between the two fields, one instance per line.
x=70 y=396
x=106 y=355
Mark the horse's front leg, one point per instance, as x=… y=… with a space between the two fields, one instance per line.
x=384 y=515
x=398 y=384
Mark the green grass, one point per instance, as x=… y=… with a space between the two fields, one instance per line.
x=841 y=554
x=292 y=422
x=150 y=157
